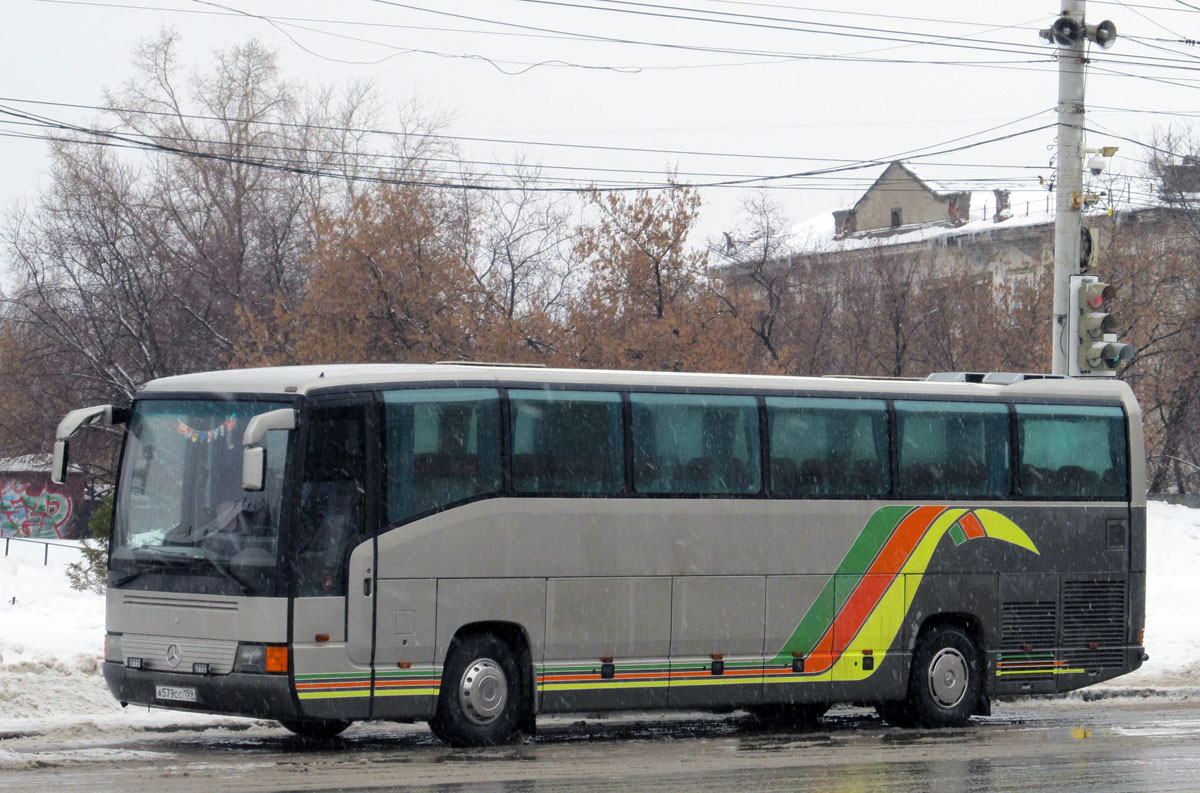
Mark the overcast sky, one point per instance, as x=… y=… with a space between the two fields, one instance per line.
x=782 y=78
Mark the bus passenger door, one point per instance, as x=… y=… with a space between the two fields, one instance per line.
x=333 y=561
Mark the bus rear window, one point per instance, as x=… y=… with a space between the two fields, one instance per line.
x=1072 y=451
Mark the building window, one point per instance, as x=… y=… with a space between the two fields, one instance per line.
x=896 y=221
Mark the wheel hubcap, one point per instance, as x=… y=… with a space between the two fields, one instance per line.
x=948 y=677
x=483 y=691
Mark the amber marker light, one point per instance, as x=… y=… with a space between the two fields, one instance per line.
x=277 y=659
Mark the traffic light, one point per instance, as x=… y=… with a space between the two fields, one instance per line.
x=1093 y=329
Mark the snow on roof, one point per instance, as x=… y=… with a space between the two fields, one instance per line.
x=817 y=234
x=26 y=464
x=31 y=464
x=1026 y=208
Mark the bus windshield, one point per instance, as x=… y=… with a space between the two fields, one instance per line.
x=183 y=522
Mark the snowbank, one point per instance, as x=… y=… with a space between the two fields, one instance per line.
x=51 y=637
x=1172 y=598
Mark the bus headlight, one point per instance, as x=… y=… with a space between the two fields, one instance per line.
x=260 y=659
x=250 y=658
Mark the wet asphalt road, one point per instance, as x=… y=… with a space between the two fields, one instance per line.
x=1148 y=744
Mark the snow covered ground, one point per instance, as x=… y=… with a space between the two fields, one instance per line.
x=51 y=637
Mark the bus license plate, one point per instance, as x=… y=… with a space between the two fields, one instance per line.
x=175 y=693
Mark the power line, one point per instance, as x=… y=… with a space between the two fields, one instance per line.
x=762 y=56
x=108 y=136
x=502 y=141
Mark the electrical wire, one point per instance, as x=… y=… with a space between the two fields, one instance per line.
x=109 y=136
x=508 y=141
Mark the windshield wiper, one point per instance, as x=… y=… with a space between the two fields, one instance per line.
x=226 y=573
x=163 y=560
x=125 y=579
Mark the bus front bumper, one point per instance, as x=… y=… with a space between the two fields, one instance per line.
x=234 y=694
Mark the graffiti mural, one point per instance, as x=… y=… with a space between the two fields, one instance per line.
x=24 y=513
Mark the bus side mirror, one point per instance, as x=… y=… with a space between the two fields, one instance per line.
x=254 y=468
x=58 y=469
x=254 y=456
x=83 y=417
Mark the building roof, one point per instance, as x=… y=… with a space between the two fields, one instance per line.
x=1026 y=209
x=817 y=235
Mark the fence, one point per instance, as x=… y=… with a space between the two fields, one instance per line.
x=46 y=546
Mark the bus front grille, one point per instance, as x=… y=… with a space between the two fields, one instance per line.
x=156 y=653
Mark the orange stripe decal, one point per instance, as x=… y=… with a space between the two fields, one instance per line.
x=870 y=589
x=971 y=526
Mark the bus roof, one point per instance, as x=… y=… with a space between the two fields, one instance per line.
x=303 y=380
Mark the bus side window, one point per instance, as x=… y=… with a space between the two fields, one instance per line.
x=1072 y=451
x=953 y=449
x=442 y=447
x=332 y=518
x=567 y=442
x=703 y=444
x=828 y=448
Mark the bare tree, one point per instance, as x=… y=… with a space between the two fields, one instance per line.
x=135 y=266
x=757 y=273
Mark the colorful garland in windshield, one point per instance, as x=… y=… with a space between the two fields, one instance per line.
x=208 y=436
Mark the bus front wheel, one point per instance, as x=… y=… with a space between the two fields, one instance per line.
x=480 y=699
x=946 y=681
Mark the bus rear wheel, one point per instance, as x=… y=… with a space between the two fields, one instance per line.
x=322 y=729
x=945 y=683
x=480 y=699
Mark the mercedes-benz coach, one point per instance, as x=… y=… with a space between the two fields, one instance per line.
x=476 y=545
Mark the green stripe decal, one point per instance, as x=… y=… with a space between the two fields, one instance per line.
x=857 y=561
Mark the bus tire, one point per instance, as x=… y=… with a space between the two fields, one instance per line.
x=946 y=681
x=316 y=729
x=479 y=703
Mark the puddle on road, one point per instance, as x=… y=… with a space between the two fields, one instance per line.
x=1167 y=729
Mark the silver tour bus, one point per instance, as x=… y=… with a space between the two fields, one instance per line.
x=475 y=545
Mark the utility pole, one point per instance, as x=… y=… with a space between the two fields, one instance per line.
x=1068 y=216
x=1071 y=33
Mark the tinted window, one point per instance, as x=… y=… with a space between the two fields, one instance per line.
x=828 y=447
x=1072 y=451
x=953 y=450
x=333 y=498
x=567 y=442
x=443 y=446
x=688 y=443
